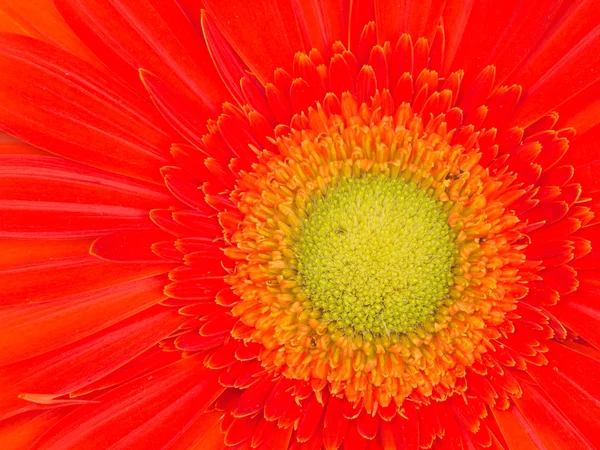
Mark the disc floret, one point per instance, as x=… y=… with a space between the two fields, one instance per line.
x=375 y=255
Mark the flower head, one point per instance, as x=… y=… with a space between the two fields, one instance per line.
x=299 y=225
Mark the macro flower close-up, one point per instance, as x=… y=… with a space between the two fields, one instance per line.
x=299 y=224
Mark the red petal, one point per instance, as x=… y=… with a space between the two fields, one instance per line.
x=129 y=245
x=455 y=18
x=29 y=330
x=278 y=438
x=361 y=13
x=421 y=56
x=436 y=55
x=580 y=311
x=253 y=399
x=354 y=440
x=341 y=78
x=582 y=111
x=562 y=66
x=154 y=35
x=152 y=359
x=366 y=85
x=240 y=430
x=206 y=226
x=236 y=132
x=49 y=179
x=163 y=218
x=418 y=18
x=165 y=404
x=184 y=187
x=271 y=48
x=23 y=430
x=183 y=115
x=310 y=419
x=281 y=403
x=74 y=366
x=547 y=211
x=193 y=342
x=21 y=252
x=10 y=145
x=54 y=279
x=479 y=91
x=502 y=34
x=378 y=61
x=204 y=433
x=553 y=428
x=30 y=219
x=322 y=22
x=226 y=60
x=198 y=165
x=195 y=288
x=402 y=59
x=335 y=424
x=406 y=429
x=254 y=94
x=570 y=381
x=367 y=424
x=58 y=102
x=278 y=103
x=368 y=39
x=515 y=429
x=41 y=20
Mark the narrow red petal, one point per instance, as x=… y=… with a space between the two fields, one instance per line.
x=56 y=101
x=153 y=35
x=226 y=60
x=76 y=365
x=580 y=311
x=49 y=179
x=553 y=428
x=129 y=245
x=182 y=114
x=40 y=19
x=549 y=80
x=166 y=403
x=53 y=279
x=23 y=430
x=334 y=425
x=29 y=330
x=262 y=52
x=361 y=13
x=31 y=219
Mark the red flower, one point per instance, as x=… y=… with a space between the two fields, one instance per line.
x=326 y=224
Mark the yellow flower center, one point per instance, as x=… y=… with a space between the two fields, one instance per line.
x=375 y=254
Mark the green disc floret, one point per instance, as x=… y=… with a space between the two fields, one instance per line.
x=375 y=254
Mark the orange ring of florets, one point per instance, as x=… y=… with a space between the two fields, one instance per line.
x=375 y=369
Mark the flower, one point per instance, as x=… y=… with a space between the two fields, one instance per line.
x=276 y=225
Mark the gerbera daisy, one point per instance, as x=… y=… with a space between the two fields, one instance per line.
x=299 y=224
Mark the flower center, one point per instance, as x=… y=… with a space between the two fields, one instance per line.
x=376 y=254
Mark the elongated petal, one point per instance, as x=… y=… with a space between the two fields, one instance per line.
x=33 y=219
x=58 y=102
x=29 y=330
x=155 y=35
x=40 y=179
x=563 y=65
x=40 y=19
x=165 y=404
x=262 y=52
x=54 y=279
x=66 y=369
